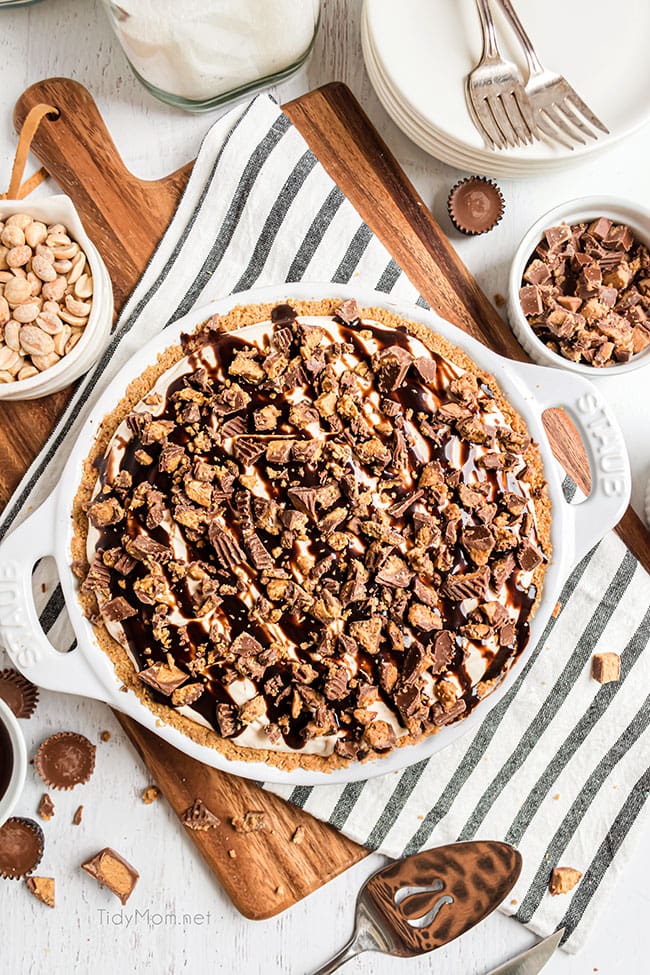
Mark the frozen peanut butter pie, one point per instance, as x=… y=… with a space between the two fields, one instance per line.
x=315 y=538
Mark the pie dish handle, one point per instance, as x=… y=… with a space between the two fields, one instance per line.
x=602 y=437
x=21 y=633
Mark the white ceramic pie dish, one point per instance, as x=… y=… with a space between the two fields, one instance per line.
x=88 y=671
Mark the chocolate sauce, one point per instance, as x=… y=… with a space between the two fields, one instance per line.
x=6 y=759
x=192 y=641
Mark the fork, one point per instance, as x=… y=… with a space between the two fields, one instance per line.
x=495 y=93
x=552 y=99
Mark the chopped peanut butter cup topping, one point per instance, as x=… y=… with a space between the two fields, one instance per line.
x=199 y=817
x=320 y=538
x=586 y=292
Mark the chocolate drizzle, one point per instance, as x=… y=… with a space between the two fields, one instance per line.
x=315 y=529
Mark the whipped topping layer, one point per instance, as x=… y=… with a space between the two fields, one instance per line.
x=316 y=535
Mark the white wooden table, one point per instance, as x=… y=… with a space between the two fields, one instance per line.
x=87 y=932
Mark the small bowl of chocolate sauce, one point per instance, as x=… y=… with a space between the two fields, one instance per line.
x=13 y=761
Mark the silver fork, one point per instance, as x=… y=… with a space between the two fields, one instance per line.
x=555 y=104
x=495 y=94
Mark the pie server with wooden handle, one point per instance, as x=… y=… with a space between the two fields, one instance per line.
x=426 y=900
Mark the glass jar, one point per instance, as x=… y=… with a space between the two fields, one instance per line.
x=198 y=54
x=5 y=4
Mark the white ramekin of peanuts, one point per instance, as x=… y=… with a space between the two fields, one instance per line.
x=56 y=300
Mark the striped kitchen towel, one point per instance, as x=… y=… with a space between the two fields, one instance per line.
x=560 y=766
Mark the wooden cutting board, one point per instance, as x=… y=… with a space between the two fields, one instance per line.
x=126 y=217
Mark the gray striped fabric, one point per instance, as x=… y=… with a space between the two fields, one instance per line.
x=560 y=766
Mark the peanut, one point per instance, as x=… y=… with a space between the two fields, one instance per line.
x=79 y=308
x=72 y=341
x=17 y=291
x=12 y=237
x=27 y=372
x=65 y=253
x=71 y=319
x=27 y=312
x=42 y=250
x=34 y=341
x=61 y=339
x=35 y=283
x=21 y=220
x=55 y=290
x=78 y=265
x=43 y=362
x=12 y=334
x=83 y=286
x=35 y=234
x=43 y=269
x=19 y=256
x=57 y=238
x=49 y=322
x=17 y=365
x=8 y=358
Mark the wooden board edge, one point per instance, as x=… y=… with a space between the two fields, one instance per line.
x=260 y=902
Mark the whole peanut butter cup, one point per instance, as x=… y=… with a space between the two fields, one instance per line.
x=21 y=847
x=18 y=693
x=65 y=760
x=475 y=205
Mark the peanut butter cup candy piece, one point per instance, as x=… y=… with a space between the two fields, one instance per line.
x=475 y=205
x=563 y=880
x=21 y=847
x=199 y=817
x=65 y=760
x=46 y=808
x=111 y=870
x=43 y=889
x=18 y=693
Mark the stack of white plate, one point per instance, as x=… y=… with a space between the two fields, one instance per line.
x=419 y=52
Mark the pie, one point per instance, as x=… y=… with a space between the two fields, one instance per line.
x=313 y=540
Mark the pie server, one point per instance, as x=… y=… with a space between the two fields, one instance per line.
x=424 y=901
